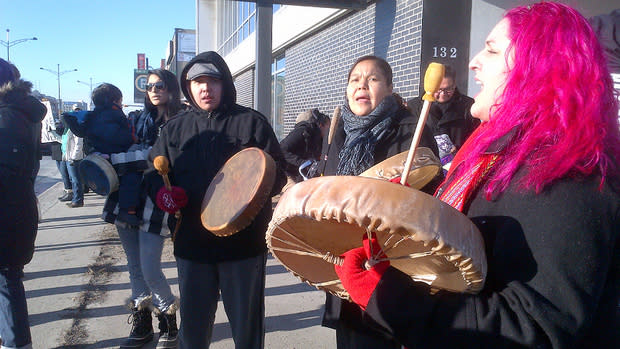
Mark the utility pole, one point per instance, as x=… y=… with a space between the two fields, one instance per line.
x=8 y=44
x=58 y=74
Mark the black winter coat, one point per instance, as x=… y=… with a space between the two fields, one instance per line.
x=398 y=141
x=197 y=144
x=106 y=130
x=301 y=144
x=553 y=279
x=20 y=136
x=452 y=118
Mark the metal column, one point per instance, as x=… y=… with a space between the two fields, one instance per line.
x=262 y=73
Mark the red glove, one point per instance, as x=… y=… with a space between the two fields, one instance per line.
x=359 y=282
x=171 y=200
x=397 y=181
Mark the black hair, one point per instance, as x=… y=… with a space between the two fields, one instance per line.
x=383 y=65
x=105 y=95
x=172 y=86
x=319 y=118
x=449 y=72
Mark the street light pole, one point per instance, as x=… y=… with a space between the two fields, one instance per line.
x=8 y=44
x=90 y=96
x=58 y=74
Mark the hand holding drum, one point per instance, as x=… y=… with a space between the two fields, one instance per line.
x=318 y=220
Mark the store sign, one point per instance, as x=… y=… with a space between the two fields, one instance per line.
x=141 y=61
x=139 y=85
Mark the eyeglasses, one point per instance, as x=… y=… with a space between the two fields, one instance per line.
x=446 y=91
x=158 y=86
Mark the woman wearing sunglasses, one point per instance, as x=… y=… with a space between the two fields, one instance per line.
x=143 y=244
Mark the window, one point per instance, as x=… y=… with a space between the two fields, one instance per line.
x=238 y=22
x=277 y=96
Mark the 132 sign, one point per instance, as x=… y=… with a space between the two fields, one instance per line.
x=444 y=52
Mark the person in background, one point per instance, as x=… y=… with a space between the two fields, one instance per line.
x=197 y=143
x=449 y=117
x=20 y=135
x=375 y=125
x=144 y=244
x=72 y=154
x=607 y=28
x=106 y=130
x=304 y=142
x=540 y=178
x=51 y=133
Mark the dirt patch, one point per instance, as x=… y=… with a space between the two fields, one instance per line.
x=100 y=273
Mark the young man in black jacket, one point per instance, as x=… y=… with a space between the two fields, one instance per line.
x=197 y=143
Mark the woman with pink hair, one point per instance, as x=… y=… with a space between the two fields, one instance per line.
x=540 y=178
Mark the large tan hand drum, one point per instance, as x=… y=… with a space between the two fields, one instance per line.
x=238 y=192
x=425 y=167
x=323 y=217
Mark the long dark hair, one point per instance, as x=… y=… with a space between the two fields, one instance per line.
x=172 y=86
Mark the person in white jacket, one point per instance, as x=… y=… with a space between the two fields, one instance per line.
x=72 y=153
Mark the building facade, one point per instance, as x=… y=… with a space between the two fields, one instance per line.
x=312 y=48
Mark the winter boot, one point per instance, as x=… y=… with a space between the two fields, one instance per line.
x=141 y=328
x=168 y=330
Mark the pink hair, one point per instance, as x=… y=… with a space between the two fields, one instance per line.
x=558 y=99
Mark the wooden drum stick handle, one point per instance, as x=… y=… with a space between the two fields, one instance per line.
x=333 y=124
x=432 y=80
x=162 y=164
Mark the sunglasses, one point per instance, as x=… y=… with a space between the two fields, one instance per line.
x=158 y=86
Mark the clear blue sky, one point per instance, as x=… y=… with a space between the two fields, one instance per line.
x=99 y=38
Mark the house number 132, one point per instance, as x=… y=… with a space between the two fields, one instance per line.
x=444 y=52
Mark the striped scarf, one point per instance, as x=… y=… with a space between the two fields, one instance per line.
x=456 y=191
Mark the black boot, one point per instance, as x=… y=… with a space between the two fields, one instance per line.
x=141 y=329
x=168 y=330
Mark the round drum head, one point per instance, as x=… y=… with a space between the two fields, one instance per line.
x=238 y=192
x=324 y=217
x=99 y=174
x=424 y=168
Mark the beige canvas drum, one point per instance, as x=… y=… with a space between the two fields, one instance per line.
x=238 y=192
x=99 y=174
x=424 y=168
x=321 y=218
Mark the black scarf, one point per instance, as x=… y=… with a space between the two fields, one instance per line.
x=362 y=135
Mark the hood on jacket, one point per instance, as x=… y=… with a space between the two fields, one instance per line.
x=229 y=93
x=17 y=95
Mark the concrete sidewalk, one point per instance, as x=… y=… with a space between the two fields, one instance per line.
x=77 y=285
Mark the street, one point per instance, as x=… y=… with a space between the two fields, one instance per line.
x=77 y=284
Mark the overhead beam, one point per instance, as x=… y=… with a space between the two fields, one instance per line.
x=342 y=4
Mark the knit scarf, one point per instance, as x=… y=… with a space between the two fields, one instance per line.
x=457 y=191
x=362 y=133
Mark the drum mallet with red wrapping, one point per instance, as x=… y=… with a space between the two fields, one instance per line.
x=175 y=198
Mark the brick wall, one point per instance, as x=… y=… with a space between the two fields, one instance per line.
x=317 y=67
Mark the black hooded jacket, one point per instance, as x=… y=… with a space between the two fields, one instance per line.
x=20 y=136
x=197 y=144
